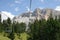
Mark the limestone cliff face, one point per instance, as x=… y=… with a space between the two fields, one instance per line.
x=37 y=14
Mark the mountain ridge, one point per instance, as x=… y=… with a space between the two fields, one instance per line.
x=37 y=13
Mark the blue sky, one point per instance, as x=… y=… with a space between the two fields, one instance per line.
x=19 y=6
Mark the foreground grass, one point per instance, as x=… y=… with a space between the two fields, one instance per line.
x=2 y=37
x=23 y=36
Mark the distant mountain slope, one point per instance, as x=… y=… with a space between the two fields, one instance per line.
x=38 y=11
x=39 y=14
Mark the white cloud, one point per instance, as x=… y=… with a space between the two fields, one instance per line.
x=57 y=8
x=42 y=1
x=6 y=14
x=18 y=1
x=28 y=9
x=17 y=9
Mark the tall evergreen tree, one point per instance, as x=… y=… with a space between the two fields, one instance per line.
x=20 y=27
x=0 y=18
x=0 y=24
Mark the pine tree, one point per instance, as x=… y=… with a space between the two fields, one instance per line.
x=0 y=18
x=10 y=29
x=0 y=24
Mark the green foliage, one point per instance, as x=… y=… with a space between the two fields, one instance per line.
x=11 y=36
x=7 y=25
x=38 y=30
x=8 y=21
x=20 y=27
x=45 y=30
x=0 y=18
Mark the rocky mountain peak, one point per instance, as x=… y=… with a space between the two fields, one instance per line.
x=39 y=13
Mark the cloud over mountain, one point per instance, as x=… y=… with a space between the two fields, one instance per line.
x=57 y=8
x=5 y=15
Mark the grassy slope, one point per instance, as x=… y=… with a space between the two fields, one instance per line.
x=3 y=38
x=23 y=36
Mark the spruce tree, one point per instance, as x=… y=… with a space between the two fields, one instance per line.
x=0 y=18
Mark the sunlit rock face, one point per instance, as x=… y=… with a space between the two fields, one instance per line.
x=37 y=14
